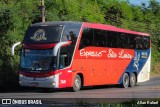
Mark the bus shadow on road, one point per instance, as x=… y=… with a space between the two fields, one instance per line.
x=82 y=89
x=101 y=87
x=47 y=90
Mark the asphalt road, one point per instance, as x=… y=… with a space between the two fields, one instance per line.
x=149 y=89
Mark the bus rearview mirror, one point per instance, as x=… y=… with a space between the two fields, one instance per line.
x=13 y=47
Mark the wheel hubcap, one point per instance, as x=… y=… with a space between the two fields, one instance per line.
x=77 y=82
x=133 y=80
x=126 y=81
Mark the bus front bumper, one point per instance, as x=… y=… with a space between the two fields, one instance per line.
x=46 y=82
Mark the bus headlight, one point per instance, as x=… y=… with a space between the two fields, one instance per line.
x=53 y=83
x=20 y=75
x=50 y=77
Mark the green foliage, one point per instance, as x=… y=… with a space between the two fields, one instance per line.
x=74 y=10
x=17 y=15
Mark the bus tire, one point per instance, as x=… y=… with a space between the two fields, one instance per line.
x=132 y=81
x=77 y=83
x=125 y=82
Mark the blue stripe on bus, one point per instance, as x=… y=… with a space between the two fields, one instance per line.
x=137 y=63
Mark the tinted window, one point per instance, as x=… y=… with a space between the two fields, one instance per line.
x=87 y=38
x=123 y=40
x=146 y=42
x=99 y=38
x=43 y=34
x=102 y=38
x=112 y=39
x=132 y=42
x=70 y=33
x=138 y=40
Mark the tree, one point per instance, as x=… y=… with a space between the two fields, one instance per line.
x=15 y=17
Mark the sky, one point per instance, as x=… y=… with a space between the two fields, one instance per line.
x=139 y=2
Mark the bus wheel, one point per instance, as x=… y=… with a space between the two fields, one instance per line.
x=132 y=81
x=125 y=82
x=77 y=83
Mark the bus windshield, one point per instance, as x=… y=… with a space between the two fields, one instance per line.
x=37 y=60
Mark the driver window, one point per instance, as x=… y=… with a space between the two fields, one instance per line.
x=64 y=59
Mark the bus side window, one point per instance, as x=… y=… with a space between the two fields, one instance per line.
x=146 y=42
x=112 y=39
x=123 y=41
x=63 y=60
x=70 y=34
x=132 y=42
x=126 y=41
x=99 y=38
x=139 y=42
x=87 y=38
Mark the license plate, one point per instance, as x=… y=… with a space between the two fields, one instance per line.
x=34 y=84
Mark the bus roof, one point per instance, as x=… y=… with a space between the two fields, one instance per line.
x=56 y=23
x=113 y=28
x=91 y=25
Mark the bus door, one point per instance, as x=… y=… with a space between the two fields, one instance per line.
x=63 y=67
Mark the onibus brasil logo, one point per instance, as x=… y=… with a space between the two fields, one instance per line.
x=20 y=101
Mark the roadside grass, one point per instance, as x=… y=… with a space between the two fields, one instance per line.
x=155 y=70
